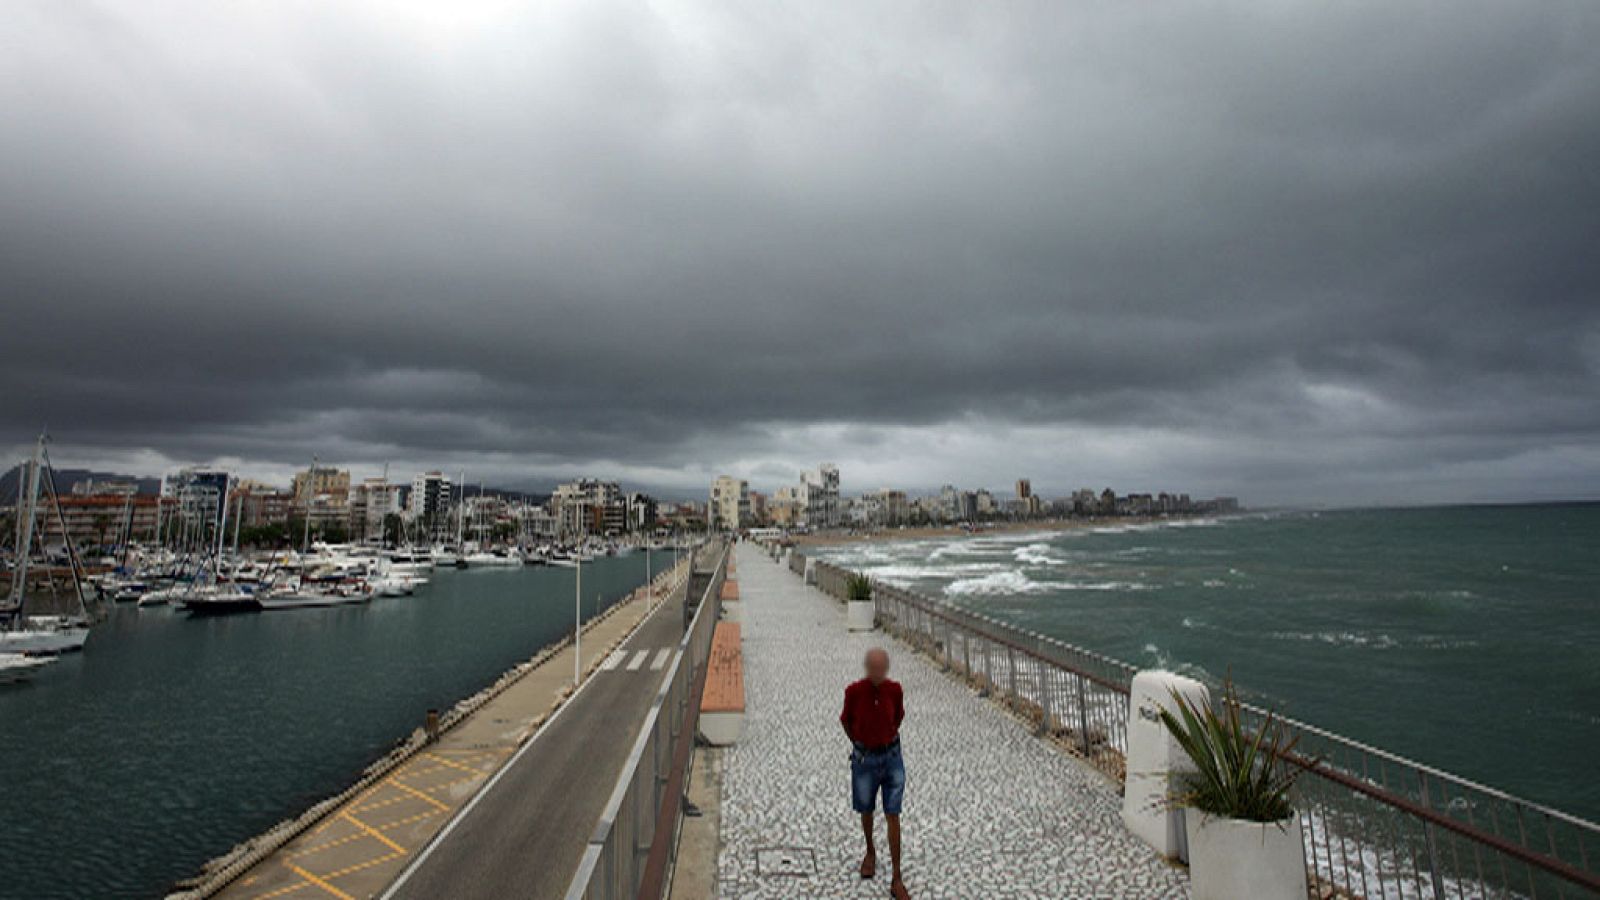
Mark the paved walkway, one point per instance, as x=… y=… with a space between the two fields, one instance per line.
x=990 y=810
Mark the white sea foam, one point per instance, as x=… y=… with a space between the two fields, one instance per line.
x=1099 y=585
x=1377 y=641
x=1009 y=581
x=905 y=573
x=1036 y=555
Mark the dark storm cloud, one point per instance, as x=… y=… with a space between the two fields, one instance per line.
x=1304 y=252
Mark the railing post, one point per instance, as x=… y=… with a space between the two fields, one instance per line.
x=1011 y=673
x=1431 y=839
x=1083 y=714
x=1044 y=698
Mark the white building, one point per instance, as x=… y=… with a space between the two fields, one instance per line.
x=371 y=502
x=819 y=496
x=588 y=506
x=432 y=496
x=730 y=503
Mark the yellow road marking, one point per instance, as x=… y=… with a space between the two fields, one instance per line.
x=375 y=861
x=455 y=765
x=319 y=882
x=374 y=832
x=284 y=890
x=327 y=845
x=413 y=791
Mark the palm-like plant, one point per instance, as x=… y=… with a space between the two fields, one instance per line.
x=1239 y=773
x=858 y=587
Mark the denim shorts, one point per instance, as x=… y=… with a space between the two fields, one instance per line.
x=872 y=772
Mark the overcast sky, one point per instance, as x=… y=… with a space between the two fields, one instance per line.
x=1303 y=252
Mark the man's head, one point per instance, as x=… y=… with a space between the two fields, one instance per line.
x=876 y=663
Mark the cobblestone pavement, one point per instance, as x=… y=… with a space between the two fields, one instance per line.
x=990 y=811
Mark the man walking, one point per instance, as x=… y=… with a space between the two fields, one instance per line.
x=873 y=710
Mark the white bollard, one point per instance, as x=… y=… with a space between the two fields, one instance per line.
x=1153 y=758
x=811 y=571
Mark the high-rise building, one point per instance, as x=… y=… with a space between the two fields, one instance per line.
x=588 y=506
x=432 y=495
x=198 y=492
x=819 y=496
x=730 y=503
x=371 y=502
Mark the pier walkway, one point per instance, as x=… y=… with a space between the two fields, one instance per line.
x=990 y=810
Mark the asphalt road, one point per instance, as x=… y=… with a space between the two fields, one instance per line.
x=525 y=834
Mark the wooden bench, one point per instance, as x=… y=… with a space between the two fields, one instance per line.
x=722 y=704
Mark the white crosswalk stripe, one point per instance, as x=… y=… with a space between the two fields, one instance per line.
x=638 y=660
x=661 y=659
x=614 y=660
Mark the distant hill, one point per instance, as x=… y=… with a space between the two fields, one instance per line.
x=66 y=478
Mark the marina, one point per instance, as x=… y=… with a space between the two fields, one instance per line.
x=173 y=737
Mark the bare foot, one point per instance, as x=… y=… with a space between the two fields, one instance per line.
x=869 y=865
x=897 y=890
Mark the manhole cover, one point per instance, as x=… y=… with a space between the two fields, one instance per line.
x=801 y=861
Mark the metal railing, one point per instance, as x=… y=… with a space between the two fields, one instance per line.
x=628 y=854
x=1375 y=824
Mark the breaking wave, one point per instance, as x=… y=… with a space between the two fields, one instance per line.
x=1036 y=555
x=1009 y=581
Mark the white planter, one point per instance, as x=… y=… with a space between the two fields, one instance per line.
x=1233 y=858
x=858 y=615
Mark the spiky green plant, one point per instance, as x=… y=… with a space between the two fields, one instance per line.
x=858 y=587
x=1239 y=773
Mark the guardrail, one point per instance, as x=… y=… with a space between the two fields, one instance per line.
x=1375 y=824
x=628 y=853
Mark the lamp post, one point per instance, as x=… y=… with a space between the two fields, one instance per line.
x=577 y=622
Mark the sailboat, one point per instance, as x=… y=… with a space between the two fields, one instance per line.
x=221 y=596
x=31 y=635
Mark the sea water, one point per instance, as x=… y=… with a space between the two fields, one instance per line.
x=170 y=738
x=1467 y=638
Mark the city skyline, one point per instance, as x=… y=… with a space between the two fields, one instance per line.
x=1095 y=245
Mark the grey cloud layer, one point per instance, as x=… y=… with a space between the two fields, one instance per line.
x=688 y=236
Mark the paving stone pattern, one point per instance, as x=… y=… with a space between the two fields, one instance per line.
x=990 y=810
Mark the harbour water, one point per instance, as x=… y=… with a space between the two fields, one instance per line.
x=171 y=739
x=1467 y=637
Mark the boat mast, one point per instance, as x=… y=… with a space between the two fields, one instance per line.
x=222 y=527
x=25 y=509
x=48 y=473
x=311 y=478
x=461 y=513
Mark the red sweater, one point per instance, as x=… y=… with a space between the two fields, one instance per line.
x=873 y=713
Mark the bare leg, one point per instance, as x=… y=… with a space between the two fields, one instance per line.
x=897 y=889
x=869 y=863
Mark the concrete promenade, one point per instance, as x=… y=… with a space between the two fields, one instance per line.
x=357 y=850
x=990 y=810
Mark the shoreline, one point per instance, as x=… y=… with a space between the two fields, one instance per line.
x=922 y=532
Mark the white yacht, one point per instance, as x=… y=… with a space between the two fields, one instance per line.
x=16 y=667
